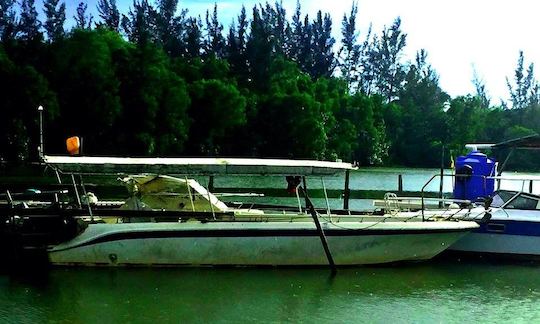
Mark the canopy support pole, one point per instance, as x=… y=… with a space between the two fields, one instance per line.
x=503 y=167
x=58 y=176
x=76 y=191
x=298 y=200
x=328 y=213
x=304 y=183
x=87 y=199
x=189 y=194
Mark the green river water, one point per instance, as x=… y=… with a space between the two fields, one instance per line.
x=434 y=292
x=439 y=291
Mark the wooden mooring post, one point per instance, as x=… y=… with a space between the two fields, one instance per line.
x=346 y=191
x=211 y=183
x=400 y=183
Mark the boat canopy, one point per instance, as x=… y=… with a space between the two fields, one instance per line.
x=530 y=142
x=193 y=166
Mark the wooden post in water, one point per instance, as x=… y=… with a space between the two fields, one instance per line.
x=442 y=178
x=347 y=192
x=211 y=183
x=305 y=188
x=400 y=183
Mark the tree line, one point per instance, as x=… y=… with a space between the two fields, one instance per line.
x=155 y=81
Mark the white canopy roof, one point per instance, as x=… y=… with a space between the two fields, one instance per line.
x=194 y=166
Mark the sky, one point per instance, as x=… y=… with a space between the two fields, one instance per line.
x=460 y=36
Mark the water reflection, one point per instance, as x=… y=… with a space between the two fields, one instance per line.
x=433 y=292
x=374 y=179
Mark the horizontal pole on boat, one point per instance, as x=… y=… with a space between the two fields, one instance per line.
x=431 y=199
x=34 y=193
x=249 y=194
x=512 y=179
x=223 y=194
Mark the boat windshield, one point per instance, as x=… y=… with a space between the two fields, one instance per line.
x=515 y=200
x=524 y=201
x=501 y=197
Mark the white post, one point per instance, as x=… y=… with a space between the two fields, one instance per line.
x=41 y=149
x=298 y=199
x=326 y=199
x=189 y=194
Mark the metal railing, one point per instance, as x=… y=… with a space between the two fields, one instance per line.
x=442 y=199
x=498 y=179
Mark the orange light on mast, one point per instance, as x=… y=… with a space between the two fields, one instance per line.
x=73 y=145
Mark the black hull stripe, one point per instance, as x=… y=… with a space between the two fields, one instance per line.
x=136 y=235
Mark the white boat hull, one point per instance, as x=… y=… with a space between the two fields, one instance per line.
x=508 y=232
x=518 y=245
x=256 y=244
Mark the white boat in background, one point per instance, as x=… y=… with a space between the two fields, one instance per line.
x=510 y=226
x=174 y=221
x=512 y=231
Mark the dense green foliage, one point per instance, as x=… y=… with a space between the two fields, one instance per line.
x=154 y=81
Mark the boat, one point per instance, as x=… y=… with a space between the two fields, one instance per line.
x=513 y=230
x=172 y=220
x=509 y=220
